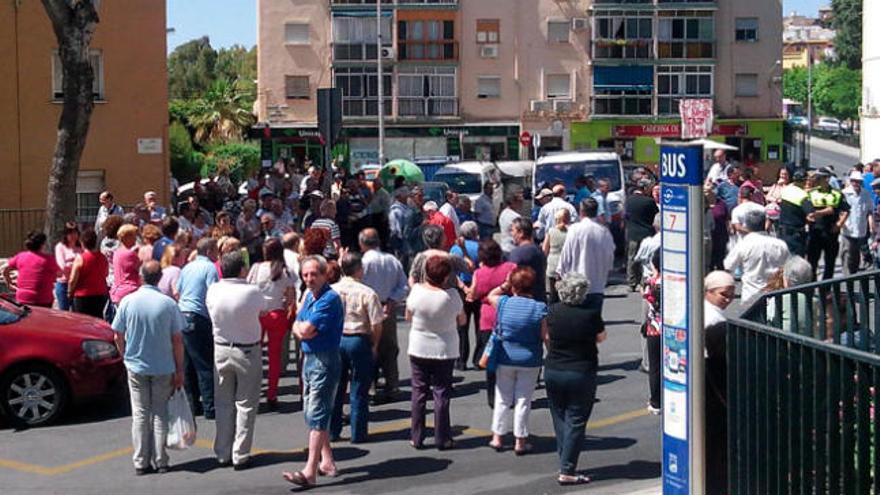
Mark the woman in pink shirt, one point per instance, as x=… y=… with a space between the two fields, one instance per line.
x=493 y=272
x=37 y=271
x=65 y=253
x=126 y=264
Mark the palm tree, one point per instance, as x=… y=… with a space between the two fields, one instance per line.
x=221 y=114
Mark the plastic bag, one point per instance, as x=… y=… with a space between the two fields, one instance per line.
x=181 y=425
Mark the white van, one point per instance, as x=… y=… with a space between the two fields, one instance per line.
x=569 y=166
x=467 y=178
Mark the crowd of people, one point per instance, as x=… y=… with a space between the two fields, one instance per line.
x=197 y=292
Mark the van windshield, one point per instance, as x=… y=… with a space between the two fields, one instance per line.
x=568 y=173
x=462 y=183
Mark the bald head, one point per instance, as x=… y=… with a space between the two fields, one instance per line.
x=369 y=239
x=151 y=273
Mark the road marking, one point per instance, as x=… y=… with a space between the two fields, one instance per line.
x=203 y=443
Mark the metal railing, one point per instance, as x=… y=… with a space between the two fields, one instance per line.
x=803 y=369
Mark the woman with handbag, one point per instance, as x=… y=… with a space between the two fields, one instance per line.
x=517 y=345
x=570 y=371
x=434 y=313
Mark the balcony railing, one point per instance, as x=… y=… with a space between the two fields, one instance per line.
x=427 y=50
x=355 y=52
x=803 y=377
x=623 y=49
x=685 y=49
x=364 y=107
x=432 y=106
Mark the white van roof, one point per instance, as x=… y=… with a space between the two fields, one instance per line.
x=519 y=168
x=578 y=156
x=466 y=167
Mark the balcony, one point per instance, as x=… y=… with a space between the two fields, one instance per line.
x=685 y=49
x=356 y=52
x=360 y=108
x=613 y=49
x=432 y=106
x=427 y=51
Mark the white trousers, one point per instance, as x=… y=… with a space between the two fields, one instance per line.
x=149 y=418
x=514 y=386
x=237 y=376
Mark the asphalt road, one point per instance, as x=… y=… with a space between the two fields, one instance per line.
x=824 y=152
x=90 y=451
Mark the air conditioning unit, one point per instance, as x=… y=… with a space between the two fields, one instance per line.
x=489 y=51
x=579 y=23
x=540 y=105
x=563 y=106
x=387 y=53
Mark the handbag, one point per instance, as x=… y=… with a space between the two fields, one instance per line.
x=489 y=360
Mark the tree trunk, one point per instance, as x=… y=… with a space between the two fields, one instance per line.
x=73 y=22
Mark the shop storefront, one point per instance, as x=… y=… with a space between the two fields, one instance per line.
x=290 y=144
x=638 y=142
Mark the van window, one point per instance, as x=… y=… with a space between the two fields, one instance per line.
x=568 y=173
x=462 y=183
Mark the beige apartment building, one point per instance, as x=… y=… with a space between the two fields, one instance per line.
x=126 y=148
x=467 y=79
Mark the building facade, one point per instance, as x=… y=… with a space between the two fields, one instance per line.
x=126 y=148
x=468 y=79
x=870 y=113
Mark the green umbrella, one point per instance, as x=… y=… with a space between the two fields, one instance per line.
x=410 y=172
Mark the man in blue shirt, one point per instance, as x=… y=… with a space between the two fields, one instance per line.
x=170 y=226
x=198 y=339
x=148 y=329
x=319 y=325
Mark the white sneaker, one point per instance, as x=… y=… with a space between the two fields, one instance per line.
x=654 y=410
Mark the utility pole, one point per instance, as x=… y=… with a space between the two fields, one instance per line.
x=809 y=107
x=380 y=86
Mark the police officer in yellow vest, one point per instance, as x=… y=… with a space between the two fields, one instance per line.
x=829 y=215
x=794 y=208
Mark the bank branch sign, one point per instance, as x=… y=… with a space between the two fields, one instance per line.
x=681 y=210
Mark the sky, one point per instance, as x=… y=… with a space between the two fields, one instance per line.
x=230 y=22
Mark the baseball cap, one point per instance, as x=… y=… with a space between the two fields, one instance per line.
x=544 y=193
x=430 y=206
x=856 y=176
x=829 y=171
x=822 y=173
x=799 y=175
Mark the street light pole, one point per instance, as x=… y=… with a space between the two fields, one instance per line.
x=809 y=106
x=380 y=86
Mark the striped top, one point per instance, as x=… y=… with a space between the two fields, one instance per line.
x=520 y=326
x=331 y=226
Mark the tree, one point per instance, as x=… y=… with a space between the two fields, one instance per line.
x=191 y=68
x=222 y=114
x=847 y=23
x=74 y=22
x=180 y=145
x=838 y=92
x=794 y=84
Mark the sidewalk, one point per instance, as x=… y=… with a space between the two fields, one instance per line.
x=642 y=487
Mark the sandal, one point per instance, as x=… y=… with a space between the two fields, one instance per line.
x=525 y=450
x=298 y=478
x=579 y=479
x=498 y=447
x=329 y=474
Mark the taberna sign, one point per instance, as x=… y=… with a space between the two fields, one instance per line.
x=681 y=266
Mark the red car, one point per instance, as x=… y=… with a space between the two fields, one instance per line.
x=50 y=358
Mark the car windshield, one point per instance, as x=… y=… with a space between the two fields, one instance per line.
x=568 y=173
x=462 y=183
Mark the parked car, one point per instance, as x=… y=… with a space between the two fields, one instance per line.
x=50 y=359
x=828 y=124
x=799 y=121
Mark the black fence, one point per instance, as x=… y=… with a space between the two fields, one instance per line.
x=803 y=373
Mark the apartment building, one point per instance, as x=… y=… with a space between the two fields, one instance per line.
x=467 y=78
x=126 y=148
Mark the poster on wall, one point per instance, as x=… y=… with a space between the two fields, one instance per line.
x=696 y=118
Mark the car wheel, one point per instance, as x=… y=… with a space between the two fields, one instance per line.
x=32 y=395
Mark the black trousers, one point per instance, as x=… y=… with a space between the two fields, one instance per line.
x=824 y=245
x=90 y=305
x=654 y=369
x=471 y=313
x=795 y=239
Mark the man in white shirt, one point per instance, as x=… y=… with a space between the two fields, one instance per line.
x=588 y=250
x=718 y=170
x=854 y=234
x=108 y=207
x=745 y=206
x=484 y=211
x=757 y=254
x=514 y=203
x=448 y=209
x=547 y=214
x=235 y=308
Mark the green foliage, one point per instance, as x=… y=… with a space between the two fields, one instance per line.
x=221 y=115
x=848 y=25
x=240 y=159
x=191 y=68
x=794 y=84
x=838 y=92
x=180 y=144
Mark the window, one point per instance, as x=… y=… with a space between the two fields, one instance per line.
x=89 y=184
x=747 y=29
x=96 y=60
x=557 y=31
x=558 y=86
x=488 y=31
x=616 y=36
x=746 y=85
x=297 y=87
x=296 y=33
x=427 y=91
x=623 y=90
x=488 y=87
x=686 y=34
x=675 y=82
x=360 y=91
x=354 y=38
x=426 y=40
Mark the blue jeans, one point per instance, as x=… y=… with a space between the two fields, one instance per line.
x=571 y=395
x=198 y=344
x=321 y=379
x=61 y=296
x=594 y=301
x=356 y=355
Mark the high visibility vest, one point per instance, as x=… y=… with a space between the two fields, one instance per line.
x=793 y=194
x=822 y=200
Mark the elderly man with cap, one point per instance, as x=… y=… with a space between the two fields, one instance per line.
x=854 y=234
x=720 y=289
x=831 y=212
x=434 y=217
x=548 y=212
x=759 y=255
x=794 y=211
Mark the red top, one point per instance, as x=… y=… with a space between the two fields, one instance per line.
x=443 y=221
x=92 y=279
x=486 y=279
x=126 y=278
x=36 y=277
